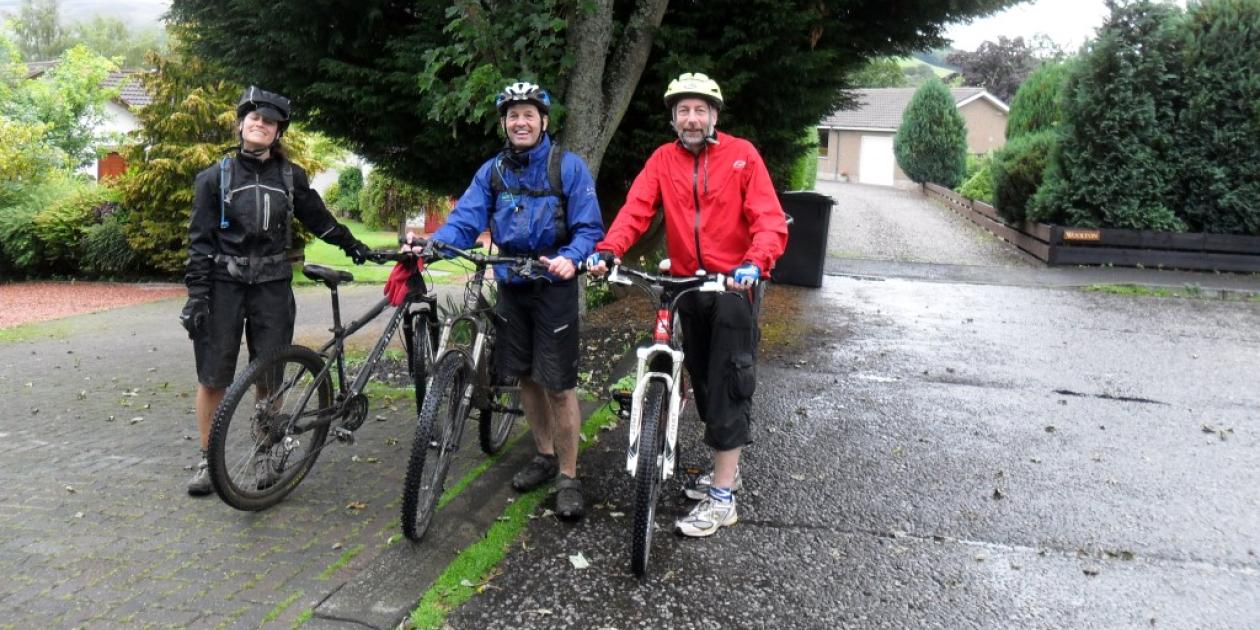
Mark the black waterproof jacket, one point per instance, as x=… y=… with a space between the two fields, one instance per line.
x=247 y=238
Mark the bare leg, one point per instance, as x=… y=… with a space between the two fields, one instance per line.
x=725 y=463
x=566 y=426
x=208 y=399
x=538 y=413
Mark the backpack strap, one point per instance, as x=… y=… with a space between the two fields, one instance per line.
x=560 y=220
x=287 y=174
x=225 y=189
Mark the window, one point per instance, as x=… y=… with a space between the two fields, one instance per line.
x=823 y=136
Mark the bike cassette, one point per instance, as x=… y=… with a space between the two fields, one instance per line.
x=354 y=412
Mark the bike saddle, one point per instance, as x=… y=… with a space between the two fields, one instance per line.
x=328 y=275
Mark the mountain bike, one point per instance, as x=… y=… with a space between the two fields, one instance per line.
x=464 y=379
x=657 y=401
x=278 y=413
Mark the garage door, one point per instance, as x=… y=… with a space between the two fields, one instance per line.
x=876 y=160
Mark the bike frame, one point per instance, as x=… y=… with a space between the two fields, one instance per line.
x=334 y=350
x=665 y=351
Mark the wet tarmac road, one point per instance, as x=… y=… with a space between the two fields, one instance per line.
x=949 y=455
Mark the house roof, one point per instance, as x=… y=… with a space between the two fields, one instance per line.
x=131 y=92
x=881 y=109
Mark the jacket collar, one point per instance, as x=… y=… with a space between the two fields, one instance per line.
x=535 y=155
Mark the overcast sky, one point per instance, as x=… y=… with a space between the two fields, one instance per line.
x=1068 y=22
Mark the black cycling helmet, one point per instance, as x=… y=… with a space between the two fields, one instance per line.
x=523 y=93
x=269 y=105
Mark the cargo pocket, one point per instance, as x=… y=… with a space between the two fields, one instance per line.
x=743 y=376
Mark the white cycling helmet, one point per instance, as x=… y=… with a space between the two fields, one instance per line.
x=693 y=84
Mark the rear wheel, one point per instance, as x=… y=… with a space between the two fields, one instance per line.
x=270 y=428
x=647 y=477
x=439 y=429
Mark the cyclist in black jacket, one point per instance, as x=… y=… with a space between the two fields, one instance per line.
x=238 y=270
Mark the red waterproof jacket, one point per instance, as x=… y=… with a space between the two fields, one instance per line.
x=720 y=208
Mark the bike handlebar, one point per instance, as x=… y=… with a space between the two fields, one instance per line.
x=706 y=282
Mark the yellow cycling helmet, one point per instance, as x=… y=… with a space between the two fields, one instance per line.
x=693 y=84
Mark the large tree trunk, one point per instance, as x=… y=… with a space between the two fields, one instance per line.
x=605 y=74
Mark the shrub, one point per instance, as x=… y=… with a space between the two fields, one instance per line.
x=349 y=183
x=980 y=184
x=63 y=223
x=332 y=197
x=23 y=252
x=385 y=201
x=931 y=144
x=106 y=251
x=1018 y=170
x=20 y=244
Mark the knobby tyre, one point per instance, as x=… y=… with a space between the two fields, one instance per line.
x=423 y=345
x=647 y=477
x=439 y=429
x=270 y=428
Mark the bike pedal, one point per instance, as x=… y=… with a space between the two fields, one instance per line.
x=343 y=435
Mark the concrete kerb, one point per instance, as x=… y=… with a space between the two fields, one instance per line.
x=383 y=594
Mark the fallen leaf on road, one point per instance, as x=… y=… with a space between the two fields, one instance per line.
x=799 y=477
x=70 y=489
x=336 y=546
x=466 y=583
x=998 y=494
x=1051 y=428
x=356 y=505
x=78 y=514
x=540 y=611
x=579 y=561
x=1090 y=571
x=137 y=419
x=616 y=514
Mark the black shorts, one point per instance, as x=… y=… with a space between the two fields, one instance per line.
x=264 y=312
x=538 y=333
x=720 y=338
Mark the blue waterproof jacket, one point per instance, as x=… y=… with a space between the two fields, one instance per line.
x=524 y=225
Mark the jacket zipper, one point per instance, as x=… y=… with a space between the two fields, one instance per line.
x=266 y=212
x=258 y=207
x=695 y=193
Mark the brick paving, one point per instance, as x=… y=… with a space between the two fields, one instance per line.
x=96 y=529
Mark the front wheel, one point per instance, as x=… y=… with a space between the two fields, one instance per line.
x=423 y=344
x=438 y=432
x=647 y=478
x=270 y=428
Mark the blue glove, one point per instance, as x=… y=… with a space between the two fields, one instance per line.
x=746 y=274
x=594 y=259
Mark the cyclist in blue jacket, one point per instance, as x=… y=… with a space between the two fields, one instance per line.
x=538 y=201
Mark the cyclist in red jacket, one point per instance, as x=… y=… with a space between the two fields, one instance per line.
x=722 y=216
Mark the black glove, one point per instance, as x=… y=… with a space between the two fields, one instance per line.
x=432 y=250
x=358 y=252
x=193 y=317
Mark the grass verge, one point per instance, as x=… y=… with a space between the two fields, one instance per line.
x=473 y=567
x=53 y=329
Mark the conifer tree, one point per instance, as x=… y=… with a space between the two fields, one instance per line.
x=931 y=144
x=1036 y=106
x=1218 y=131
x=1116 y=161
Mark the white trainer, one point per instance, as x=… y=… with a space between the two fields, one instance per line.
x=707 y=517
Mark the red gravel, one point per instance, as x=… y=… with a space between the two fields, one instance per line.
x=25 y=302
